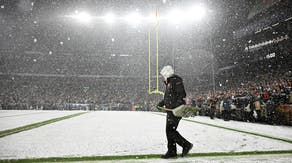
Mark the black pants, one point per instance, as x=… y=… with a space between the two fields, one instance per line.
x=226 y=114
x=173 y=136
x=212 y=113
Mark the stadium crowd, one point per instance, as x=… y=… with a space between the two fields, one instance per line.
x=58 y=92
x=265 y=98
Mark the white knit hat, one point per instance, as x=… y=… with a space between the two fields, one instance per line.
x=167 y=71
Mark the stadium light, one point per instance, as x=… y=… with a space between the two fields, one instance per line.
x=109 y=18
x=175 y=16
x=82 y=17
x=133 y=18
x=196 y=13
x=151 y=18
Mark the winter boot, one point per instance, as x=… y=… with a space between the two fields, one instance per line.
x=186 y=150
x=168 y=155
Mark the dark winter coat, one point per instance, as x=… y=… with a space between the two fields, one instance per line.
x=174 y=93
x=227 y=104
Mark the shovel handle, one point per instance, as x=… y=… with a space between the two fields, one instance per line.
x=164 y=108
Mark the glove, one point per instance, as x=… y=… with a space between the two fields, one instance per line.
x=159 y=108
x=160 y=105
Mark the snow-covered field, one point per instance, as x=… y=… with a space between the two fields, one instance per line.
x=284 y=132
x=15 y=118
x=105 y=133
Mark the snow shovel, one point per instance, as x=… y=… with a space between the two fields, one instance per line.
x=182 y=111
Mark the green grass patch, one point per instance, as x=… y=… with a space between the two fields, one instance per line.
x=138 y=157
x=35 y=125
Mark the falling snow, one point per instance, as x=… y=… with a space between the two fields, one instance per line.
x=107 y=55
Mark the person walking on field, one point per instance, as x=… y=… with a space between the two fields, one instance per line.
x=173 y=97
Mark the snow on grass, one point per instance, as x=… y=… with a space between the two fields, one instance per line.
x=104 y=133
x=36 y=125
x=15 y=118
x=282 y=158
x=284 y=132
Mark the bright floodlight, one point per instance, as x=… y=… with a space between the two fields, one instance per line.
x=175 y=16
x=134 y=18
x=109 y=18
x=152 y=18
x=82 y=17
x=196 y=13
